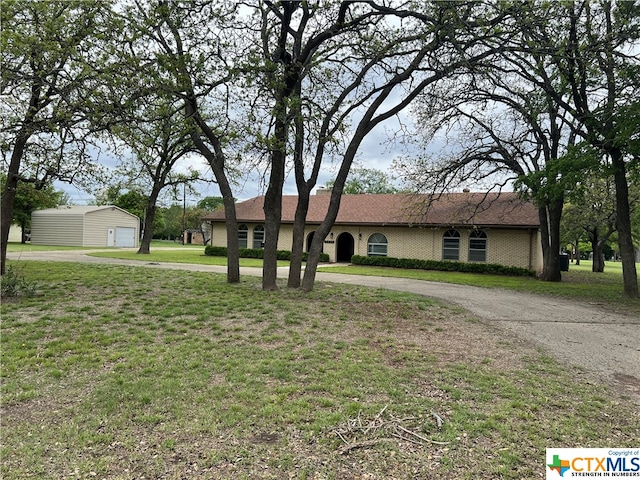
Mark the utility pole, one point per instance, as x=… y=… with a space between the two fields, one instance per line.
x=184 y=210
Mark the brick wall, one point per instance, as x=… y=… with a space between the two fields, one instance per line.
x=512 y=247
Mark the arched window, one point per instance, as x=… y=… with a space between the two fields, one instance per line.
x=258 y=236
x=477 y=246
x=451 y=245
x=377 y=245
x=243 y=234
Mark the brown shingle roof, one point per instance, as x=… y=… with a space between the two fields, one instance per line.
x=449 y=209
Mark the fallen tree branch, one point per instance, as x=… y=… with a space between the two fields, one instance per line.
x=367 y=443
x=359 y=433
x=428 y=440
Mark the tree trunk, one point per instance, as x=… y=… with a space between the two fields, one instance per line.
x=233 y=249
x=23 y=229
x=623 y=215
x=272 y=215
x=287 y=92
x=216 y=160
x=149 y=217
x=145 y=242
x=313 y=258
x=304 y=191
x=623 y=226
x=8 y=202
x=365 y=125
x=273 y=198
x=273 y=205
x=550 y=239
x=6 y=210
x=598 y=256
x=297 y=246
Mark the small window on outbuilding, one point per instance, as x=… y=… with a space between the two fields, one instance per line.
x=243 y=235
x=451 y=245
x=477 y=246
x=377 y=245
x=258 y=236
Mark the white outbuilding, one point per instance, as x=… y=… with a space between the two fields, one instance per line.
x=85 y=226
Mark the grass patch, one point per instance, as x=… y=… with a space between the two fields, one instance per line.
x=578 y=283
x=184 y=255
x=161 y=251
x=121 y=372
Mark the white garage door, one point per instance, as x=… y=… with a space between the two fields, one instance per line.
x=125 y=237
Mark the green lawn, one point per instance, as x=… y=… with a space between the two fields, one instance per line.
x=127 y=373
x=578 y=283
x=185 y=255
x=161 y=251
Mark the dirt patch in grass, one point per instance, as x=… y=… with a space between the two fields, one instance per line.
x=209 y=381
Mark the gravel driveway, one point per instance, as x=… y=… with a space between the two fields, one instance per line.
x=604 y=343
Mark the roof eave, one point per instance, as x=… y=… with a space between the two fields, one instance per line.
x=394 y=224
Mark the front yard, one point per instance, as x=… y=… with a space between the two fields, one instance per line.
x=129 y=373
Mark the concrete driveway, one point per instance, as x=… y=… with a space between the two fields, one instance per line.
x=604 y=343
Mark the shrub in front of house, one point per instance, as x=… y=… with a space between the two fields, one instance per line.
x=257 y=253
x=212 y=251
x=442 y=265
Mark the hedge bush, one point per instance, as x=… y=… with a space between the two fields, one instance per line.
x=212 y=251
x=257 y=253
x=442 y=265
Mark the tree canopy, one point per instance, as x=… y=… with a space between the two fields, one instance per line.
x=367 y=180
x=514 y=93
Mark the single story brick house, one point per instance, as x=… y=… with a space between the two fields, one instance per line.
x=468 y=227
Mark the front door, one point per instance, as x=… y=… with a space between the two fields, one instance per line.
x=111 y=237
x=344 y=247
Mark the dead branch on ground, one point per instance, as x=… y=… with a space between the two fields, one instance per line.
x=360 y=432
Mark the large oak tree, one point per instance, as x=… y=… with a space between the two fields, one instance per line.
x=583 y=54
x=190 y=52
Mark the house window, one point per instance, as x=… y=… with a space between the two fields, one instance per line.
x=451 y=245
x=243 y=234
x=478 y=246
x=377 y=245
x=258 y=237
